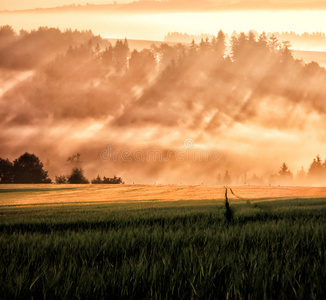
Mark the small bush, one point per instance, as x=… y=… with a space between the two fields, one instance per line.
x=77 y=176
x=61 y=179
x=114 y=180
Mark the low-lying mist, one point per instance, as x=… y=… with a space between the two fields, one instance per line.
x=168 y=114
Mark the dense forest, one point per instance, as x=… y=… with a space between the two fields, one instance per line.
x=183 y=88
x=112 y=76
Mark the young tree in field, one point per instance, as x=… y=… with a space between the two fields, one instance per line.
x=97 y=180
x=6 y=171
x=61 y=179
x=29 y=169
x=114 y=180
x=77 y=177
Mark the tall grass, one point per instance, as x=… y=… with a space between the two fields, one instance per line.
x=275 y=250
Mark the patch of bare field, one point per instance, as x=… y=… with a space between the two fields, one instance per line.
x=73 y=194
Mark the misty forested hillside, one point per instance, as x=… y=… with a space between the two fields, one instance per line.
x=77 y=89
x=77 y=67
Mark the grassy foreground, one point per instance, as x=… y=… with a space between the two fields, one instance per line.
x=164 y=250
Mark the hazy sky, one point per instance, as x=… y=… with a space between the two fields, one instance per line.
x=172 y=4
x=29 y=4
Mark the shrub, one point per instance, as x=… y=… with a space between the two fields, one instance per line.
x=77 y=176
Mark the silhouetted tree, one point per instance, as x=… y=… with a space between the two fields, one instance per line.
x=114 y=180
x=284 y=172
x=273 y=43
x=77 y=176
x=121 y=53
x=220 y=46
x=7 y=31
x=167 y=54
x=316 y=169
x=97 y=180
x=6 y=171
x=61 y=179
x=107 y=56
x=263 y=41
x=7 y=36
x=286 y=53
x=192 y=48
x=204 y=45
x=28 y=169
x=226 y=178
x=239 y=47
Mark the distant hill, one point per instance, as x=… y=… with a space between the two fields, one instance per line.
x=185 y=6
x=308 y=56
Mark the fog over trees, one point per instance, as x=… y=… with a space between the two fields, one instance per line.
x=71 y=90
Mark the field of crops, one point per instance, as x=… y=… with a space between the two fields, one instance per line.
x=162 y=242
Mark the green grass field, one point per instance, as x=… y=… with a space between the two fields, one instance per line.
x=160 y=249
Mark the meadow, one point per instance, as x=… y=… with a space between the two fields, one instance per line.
x=162 y=242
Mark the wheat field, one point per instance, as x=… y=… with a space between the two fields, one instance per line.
x=16 y=194
x=162 y=242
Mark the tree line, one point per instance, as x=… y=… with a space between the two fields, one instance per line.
x=28 y=169
x=315 y=174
